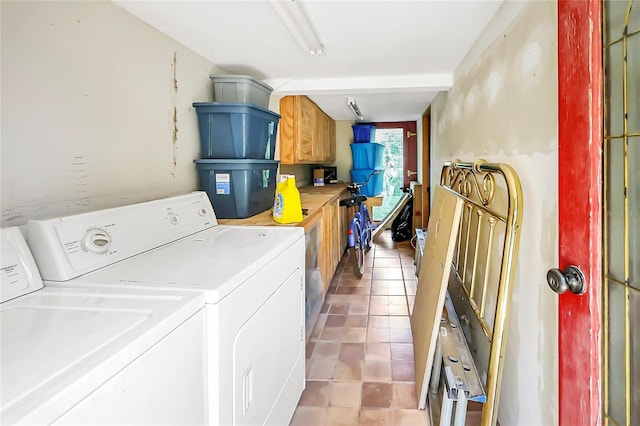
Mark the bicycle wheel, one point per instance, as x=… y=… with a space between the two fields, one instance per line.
x=369 y=241
x=357 y=253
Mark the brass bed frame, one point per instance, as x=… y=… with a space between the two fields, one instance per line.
x=480 y=287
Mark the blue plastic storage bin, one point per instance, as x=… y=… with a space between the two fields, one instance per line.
x=364 y=133
x=236 y=131
x=367 y=155
x=238 y=188
x=375 y=185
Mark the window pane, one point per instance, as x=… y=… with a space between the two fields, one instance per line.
x=634 y=212
x=615 y=209
x=634 y=20
x=613 y=89
x=614 y=12
x=633 y=82
x=616 y=353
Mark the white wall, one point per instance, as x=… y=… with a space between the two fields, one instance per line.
x=503 y=107
x=96 y=109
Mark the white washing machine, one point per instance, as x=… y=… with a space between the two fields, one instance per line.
x=252 y=279
x=96 y=356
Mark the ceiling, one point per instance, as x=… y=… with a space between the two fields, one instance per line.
x=393 y=57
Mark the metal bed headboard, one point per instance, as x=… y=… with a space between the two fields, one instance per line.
x=484 y=264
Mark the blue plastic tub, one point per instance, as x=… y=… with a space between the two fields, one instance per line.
x=236 y=131
x=363 y=133
x=238 y=188
x=375 y=185
x=367 y=155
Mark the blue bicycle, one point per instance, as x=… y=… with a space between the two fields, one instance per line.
x=359 y=238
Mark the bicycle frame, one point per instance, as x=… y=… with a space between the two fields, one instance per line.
x=360 y=226
x=359 y=234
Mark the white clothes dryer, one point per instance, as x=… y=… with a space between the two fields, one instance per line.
x=252 y=278
x=96 y=355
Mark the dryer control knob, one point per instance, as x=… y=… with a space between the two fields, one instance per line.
x=96 y=240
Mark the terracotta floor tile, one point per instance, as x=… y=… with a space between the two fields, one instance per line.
x=309 y=416
x=398 y=300
x=326 y=349
x=377 y=371
x=319 y=325
x=377 y=395
x=335 y=321
x=411 y=417
x=332 y=334
x=316 y=394
x=379 y=335
x=401 y=335
x=402 y=371
x=358 y=309
x=309 y=348
x=382 y=252
x=375 y=417
x=387 y=262
x=378 y=321
x=404 y=395
x=363 y=334
x=398 y=310
x=321 y=368
x=357 y=321
x=340 y=416
x=399 y=322
x=379 y=309
x=377 y=351
x=345 y=394
x=402 y=351
x=354 y=334
x=351 y=351
x=348 y=369
x=339 y=308
x=345 y=290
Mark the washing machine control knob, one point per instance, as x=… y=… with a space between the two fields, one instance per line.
x=96 y=240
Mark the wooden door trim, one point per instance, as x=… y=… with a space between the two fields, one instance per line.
x=426 y=164
x=580 y=114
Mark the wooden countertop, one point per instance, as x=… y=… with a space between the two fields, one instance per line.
x=312 y=198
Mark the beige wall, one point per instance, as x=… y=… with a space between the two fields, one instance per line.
x=96 y=109
x=503 y=107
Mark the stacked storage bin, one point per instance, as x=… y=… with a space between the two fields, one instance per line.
x=237 y=137
x=368 y=157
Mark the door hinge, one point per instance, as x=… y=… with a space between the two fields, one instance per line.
x=411 y=134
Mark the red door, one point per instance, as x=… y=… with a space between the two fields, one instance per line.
x=579 y=209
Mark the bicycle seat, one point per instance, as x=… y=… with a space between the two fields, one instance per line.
x=353 y=201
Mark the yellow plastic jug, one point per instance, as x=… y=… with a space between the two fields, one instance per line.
x=287 y=207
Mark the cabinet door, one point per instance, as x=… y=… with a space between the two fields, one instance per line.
x=331 y=140
x=306 y=135
x=327 y=246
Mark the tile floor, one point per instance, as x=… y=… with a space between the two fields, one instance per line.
x=360 y=355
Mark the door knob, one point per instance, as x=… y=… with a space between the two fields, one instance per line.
x=571 y=279
x=411 y=173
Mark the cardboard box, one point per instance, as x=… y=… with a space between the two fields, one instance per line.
x=318 y=177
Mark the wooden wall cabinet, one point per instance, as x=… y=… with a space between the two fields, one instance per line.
x=307 y=134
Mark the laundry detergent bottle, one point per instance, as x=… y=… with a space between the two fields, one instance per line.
x=287 y=207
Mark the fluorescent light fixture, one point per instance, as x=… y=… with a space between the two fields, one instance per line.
x=298 y=24
x=351 y=103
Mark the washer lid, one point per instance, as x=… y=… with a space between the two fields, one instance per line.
x=18 y=271
x=215 y=261
x=60 y=344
